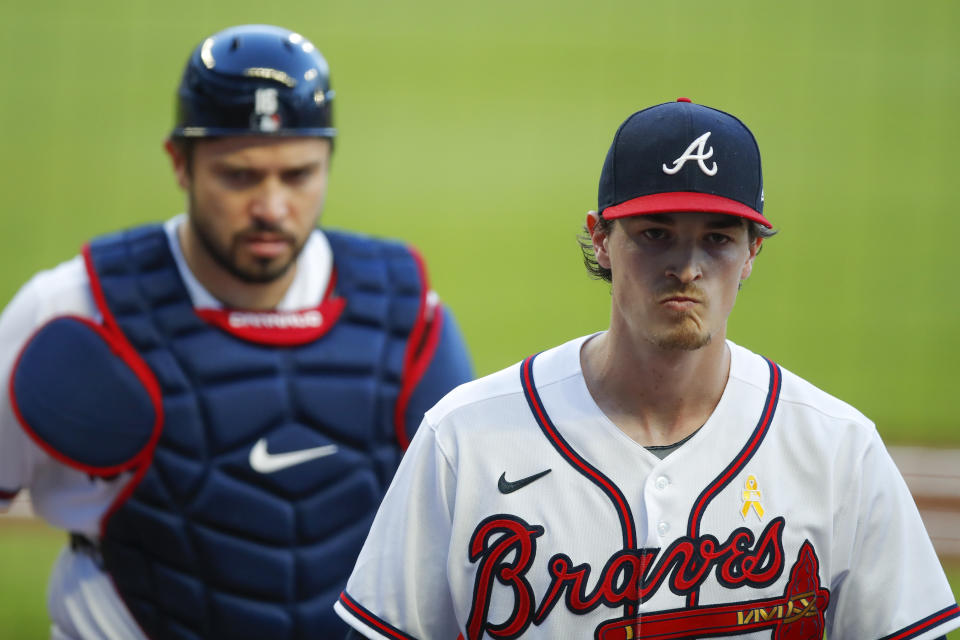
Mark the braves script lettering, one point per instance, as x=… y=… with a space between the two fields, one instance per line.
x=494 y=540
x=504 y=547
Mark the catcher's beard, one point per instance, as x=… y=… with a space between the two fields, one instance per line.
x=261 y=270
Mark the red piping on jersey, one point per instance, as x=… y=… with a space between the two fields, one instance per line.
x=584 y=467
x=371 y=619
x=140 y=368
x=125 y=352
x=742 y=458
x=416 y=359
x=923 y=625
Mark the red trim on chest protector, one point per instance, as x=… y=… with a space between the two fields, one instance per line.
x=123 y=350
x=419 y=353
x=120 y=343
x=279 y=328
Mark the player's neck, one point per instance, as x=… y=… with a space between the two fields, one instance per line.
x=230 y=290
x=655 y=396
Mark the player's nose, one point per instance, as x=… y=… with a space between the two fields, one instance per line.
x=684 y=264
x=271 y=203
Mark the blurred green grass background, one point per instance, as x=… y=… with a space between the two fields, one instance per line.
x=477 y=132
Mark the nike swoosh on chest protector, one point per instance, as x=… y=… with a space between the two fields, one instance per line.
x=263 y=461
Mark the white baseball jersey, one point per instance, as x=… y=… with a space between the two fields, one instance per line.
x=82 y=600
x=520 y=510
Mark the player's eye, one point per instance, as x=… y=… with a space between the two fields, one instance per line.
x=654 y=234
x=718 y=238
x=239 y=177
x=299 y=175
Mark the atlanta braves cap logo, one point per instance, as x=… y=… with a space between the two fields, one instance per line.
x=700 y=155
x=682 y=157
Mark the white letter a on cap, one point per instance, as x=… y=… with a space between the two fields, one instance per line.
x=700 y=155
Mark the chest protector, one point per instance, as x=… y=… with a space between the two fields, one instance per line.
x=259 y=461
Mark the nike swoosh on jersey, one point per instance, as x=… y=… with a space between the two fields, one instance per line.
x=507 y=486
x=263 y=461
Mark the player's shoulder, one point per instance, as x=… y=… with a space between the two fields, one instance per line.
x=61 y=290
x=371 y=261
x=350 y=242
x=502 y=392
x=69 y=274
x=800 y=396
x=470 y=396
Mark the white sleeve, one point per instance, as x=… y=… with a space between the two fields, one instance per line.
x=399 y=587
x=17 y=324
x=63 y=290
x=892 y=584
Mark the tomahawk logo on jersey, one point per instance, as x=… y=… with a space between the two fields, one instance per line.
x=594 y=536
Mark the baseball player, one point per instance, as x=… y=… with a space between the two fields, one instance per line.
x=653 y=480
x=214 y=406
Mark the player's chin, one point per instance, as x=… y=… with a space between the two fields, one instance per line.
x=262 y=270
x=687 y=337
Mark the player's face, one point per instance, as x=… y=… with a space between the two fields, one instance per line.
x=254 y=201
x=676 y=275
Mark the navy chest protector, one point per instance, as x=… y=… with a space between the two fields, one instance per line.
x=260 y=444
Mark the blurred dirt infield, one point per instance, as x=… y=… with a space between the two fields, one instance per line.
x=933 y=476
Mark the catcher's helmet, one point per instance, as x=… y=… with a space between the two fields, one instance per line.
x=255 y=80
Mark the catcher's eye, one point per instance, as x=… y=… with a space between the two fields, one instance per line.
x=239 y=177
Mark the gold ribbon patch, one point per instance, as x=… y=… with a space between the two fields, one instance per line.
x=751 y=498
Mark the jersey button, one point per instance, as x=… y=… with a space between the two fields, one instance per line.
x=663 y=528
x=662 y=483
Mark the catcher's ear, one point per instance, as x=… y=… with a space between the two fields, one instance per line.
x=178 y=159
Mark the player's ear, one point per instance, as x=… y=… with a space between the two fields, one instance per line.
x=753 y=248
x=178 y=158
x=599 y=238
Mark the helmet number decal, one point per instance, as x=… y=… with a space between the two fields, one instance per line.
x=265 y=105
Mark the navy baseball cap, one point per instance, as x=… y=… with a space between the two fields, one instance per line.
x=681 y=156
